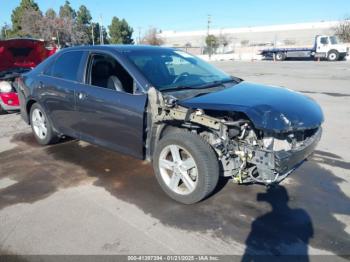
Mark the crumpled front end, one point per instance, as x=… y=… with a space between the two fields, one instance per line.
x=278 y=158
x=247 y=153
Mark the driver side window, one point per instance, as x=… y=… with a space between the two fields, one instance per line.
x=104 y=71
x=324 y=41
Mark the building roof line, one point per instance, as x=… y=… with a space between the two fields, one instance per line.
x=283 y=27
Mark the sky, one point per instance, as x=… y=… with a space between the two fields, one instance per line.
x=183 y=15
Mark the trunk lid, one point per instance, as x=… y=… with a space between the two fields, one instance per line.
x=22 y=53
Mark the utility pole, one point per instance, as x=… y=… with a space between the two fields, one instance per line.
x=58 y=40
x=139 y=40
x=208 y=36
x=209 y=22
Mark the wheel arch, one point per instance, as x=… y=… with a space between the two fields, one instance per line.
x=29 y=105
x=333 y=50
x=158 y=132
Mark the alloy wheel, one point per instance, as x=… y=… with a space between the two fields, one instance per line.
x=178 y=169
x=39 y=124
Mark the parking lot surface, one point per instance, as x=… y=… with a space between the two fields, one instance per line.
x=76 y=198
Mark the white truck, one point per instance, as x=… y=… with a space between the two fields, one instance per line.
x=327 y=47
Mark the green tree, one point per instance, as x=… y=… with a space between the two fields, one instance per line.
x=50 y=14
x=120 y=32
x=19 y=12
x=66 y=11
x=82 y=28
x=96 y=34
x=83 y=16
x=212 y=43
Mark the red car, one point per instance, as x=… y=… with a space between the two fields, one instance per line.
x=18 y=56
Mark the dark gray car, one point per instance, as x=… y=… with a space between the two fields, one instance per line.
x=193 y=121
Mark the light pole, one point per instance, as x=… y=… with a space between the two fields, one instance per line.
x=101 y=31
x=5 y=30
x=58 y=39
x=139 y=40
x=208 y=37
x=92 y=33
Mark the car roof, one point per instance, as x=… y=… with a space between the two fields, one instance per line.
x=120 y=48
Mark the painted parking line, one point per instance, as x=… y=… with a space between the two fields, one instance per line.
x=6 y=182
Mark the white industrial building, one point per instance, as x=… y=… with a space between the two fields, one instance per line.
x=234 y=39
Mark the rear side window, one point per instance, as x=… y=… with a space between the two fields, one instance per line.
x=66 y=66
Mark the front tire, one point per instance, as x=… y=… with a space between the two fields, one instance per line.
x=186 y=166
x=41 y=126
x=333 y=56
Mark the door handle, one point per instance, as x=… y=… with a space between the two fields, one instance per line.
x=81 y=96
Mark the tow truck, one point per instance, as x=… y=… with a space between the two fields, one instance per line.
x=325 y=47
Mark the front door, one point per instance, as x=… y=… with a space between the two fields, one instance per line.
x=110 y=113
x=323 y=45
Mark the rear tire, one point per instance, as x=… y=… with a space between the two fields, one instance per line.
x=186 y=166
x=333 y=56
x=280 y=56
x=41 y=126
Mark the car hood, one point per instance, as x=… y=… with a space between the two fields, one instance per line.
x=269 y=108
x=22 y=53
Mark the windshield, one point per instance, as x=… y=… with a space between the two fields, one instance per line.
x=168 y=69
x=334 y=40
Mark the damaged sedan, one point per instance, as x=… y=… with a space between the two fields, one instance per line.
x=191 y=120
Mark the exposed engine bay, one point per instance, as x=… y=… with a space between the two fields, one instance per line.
x=246 y=154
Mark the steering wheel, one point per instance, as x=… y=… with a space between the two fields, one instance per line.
x=184 y=74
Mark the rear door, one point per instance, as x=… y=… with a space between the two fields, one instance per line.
x=107 y=117
x=57 y=90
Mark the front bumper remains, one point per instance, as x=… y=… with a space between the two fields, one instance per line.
x=273 y=167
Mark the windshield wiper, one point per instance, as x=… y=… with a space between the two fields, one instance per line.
x=176 y=88
x=215 y=83
x=208 y=85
